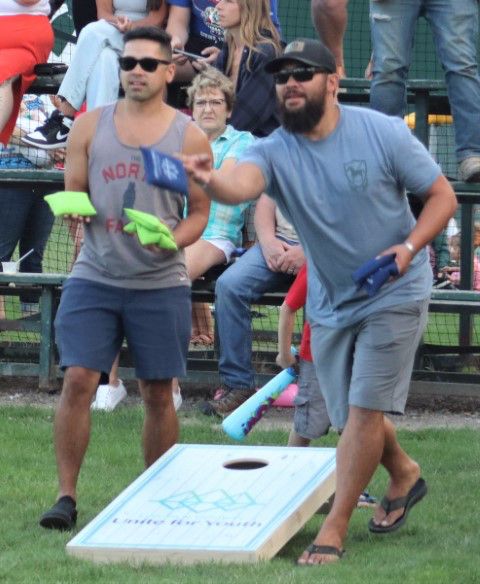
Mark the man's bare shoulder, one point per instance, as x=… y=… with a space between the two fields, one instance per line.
x=84 y=126
x=195 y=141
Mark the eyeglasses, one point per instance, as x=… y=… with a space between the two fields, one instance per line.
x=213 y=103
x=148 y=64
x=300 y=74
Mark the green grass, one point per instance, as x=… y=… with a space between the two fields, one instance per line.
x=440 y=543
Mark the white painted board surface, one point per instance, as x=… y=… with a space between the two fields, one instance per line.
x=188 y=507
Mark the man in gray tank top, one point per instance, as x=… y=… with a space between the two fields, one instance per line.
x=119 y=288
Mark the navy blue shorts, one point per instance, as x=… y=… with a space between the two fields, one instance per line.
x=93 y=319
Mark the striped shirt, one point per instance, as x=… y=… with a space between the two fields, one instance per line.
x=226 y=221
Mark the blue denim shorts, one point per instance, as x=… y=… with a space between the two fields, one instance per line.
x=93 y=319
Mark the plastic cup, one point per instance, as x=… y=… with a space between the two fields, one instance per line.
x=9 y=267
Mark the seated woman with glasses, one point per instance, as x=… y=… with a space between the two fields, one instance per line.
x=251 y=40
x=93 y=74
x=211 y=97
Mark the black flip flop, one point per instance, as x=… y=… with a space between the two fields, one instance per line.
x=414 y=495
x=324 y=550
x=62 y=516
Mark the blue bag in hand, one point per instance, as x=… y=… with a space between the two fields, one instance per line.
x=373 y=274
x=164 y=171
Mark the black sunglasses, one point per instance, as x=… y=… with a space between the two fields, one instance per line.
x=148 y=64
x=300 y=74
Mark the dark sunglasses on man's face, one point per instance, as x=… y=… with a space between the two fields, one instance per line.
x=148 y=64
x=300 y=74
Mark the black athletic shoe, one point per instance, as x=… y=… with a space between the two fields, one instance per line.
x=53 y=133
x=62 y=516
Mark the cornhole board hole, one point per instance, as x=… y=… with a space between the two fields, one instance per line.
x=201 y=503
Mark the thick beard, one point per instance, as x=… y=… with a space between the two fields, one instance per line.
x=302 y=121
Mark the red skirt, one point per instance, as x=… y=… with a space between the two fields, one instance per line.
x=25 y=41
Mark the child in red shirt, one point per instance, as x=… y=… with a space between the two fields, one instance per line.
x=310 y=419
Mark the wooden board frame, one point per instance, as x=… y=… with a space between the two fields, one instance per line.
x=211 y=518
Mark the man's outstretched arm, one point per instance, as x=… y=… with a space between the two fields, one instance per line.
x=243 y=182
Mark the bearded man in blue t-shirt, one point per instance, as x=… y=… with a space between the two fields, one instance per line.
x=344 y=190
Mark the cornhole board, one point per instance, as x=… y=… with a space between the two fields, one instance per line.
x=201 y=503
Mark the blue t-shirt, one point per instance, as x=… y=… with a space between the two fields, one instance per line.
x=204 y=18
x=346 y=198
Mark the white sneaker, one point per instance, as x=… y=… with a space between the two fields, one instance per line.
x=469 y=169
x=109 y=396
x=177 y=399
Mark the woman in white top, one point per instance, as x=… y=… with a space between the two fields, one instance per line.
x=93 y=74
x=26 y=38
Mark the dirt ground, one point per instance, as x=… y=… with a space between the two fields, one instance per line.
x=422 y=412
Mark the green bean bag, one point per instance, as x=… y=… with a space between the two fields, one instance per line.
x=70 y=203
x=149 y=229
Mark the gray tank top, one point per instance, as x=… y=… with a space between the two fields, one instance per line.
x=116 y=182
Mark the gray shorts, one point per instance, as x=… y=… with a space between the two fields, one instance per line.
x=369 y=364
x=310 y=419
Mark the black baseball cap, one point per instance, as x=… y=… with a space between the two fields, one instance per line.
x=307 y=51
